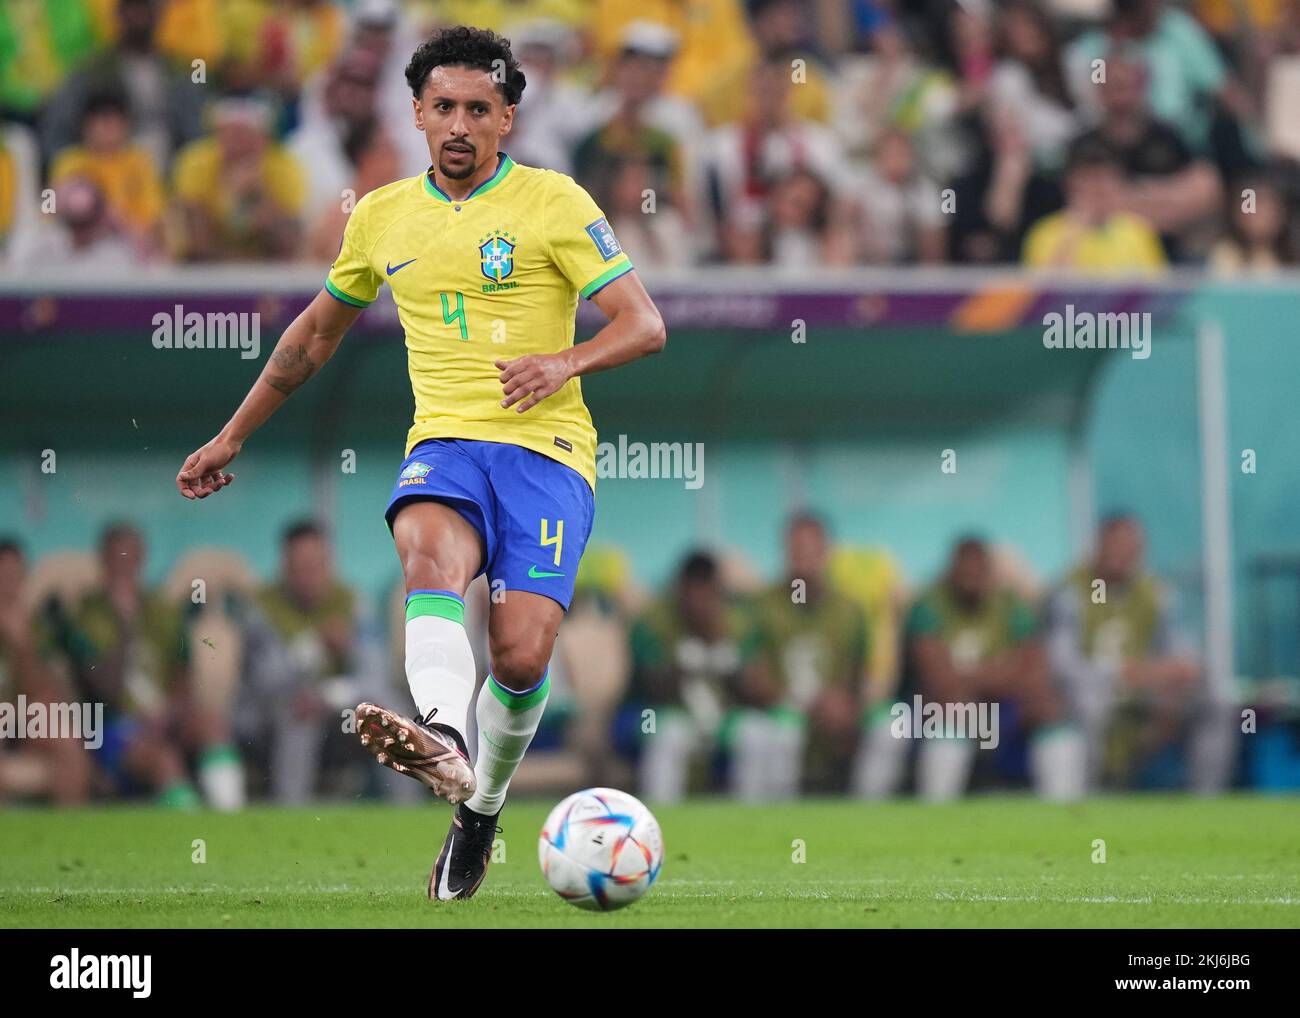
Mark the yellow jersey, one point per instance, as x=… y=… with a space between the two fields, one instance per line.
x=130 y=182
x=493 y=276
x=1123 y=244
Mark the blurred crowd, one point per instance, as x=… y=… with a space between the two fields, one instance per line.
x=1092 y=135
x=217 y=688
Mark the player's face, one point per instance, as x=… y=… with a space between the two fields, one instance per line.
x=971 y=574
x=463 y=117
x=123 y=558
x=308 y=569
x=806 y=551
x=1120 y=552
x=702 y=603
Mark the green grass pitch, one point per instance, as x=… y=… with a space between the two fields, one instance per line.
x=984 y=862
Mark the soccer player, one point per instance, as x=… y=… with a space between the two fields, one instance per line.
x=59 y=768
x=686 y=665
x=1128 y=671
x=972 y=639
x=487 y=259
x=806 y=659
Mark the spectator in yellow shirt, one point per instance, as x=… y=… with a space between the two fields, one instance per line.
x=287 y=41
x=238 y=193
x=505 y=16
x=781 y=31
x=183 y=30
x=124 y=172
x=1091 y=234
x=716 y=43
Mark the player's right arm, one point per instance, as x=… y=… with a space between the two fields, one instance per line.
x=305 y=345
x=350 y=287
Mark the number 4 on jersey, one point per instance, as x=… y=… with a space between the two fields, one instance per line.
x=458 y=316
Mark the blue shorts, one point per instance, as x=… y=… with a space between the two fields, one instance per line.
x=532 y=513
x=111 y=755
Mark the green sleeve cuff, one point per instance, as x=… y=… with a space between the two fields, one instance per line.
x=605 y=278
x=346 y=298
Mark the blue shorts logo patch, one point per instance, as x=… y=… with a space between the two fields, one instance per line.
x=414 y=474
x=603 y=237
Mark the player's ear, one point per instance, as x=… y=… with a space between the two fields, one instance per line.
x=419 y=113
x=507 y=121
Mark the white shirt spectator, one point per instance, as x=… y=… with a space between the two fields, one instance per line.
x=319 y=151
x=801 y=144
x=658 y=241
x=552 y=118
x=1044 y=120
x=52 y=247
x=896 y=213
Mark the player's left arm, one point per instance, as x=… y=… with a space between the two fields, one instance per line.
x=635 y=330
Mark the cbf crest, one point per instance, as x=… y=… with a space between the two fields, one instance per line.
x=497 y=255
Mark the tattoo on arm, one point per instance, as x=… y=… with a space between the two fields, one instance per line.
x=289 y=367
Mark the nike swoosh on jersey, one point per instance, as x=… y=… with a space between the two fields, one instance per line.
x=534 y=574
x=394 y=268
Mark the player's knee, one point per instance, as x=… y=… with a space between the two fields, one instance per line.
x=425 y=571
x=519 y=660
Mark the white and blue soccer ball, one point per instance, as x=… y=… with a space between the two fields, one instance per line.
x=600 y=849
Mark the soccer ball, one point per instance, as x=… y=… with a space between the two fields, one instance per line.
x=600 y=849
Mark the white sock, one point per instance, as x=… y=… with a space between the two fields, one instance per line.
x=751 y=741
x=439 y=661
x=944 y=768
x=1058 y=763
x=785 y=761
x=666 y=758
x=881 y=761
x=507 y=722
x=221 y=779
x=767 y=750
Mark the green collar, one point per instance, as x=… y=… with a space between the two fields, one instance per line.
x=504 y=165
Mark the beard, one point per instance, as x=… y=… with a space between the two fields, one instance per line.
x=457 y=173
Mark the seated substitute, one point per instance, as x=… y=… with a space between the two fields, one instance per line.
x=304 y=666
x=55 y=767
x=685 y=667
x=804 y=678
x=971 y=640
x=129 y=646
x=1129 y=677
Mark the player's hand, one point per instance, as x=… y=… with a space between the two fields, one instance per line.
x=202 y=475
x=532 y=378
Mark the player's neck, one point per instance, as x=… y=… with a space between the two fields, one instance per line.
x=459 y=190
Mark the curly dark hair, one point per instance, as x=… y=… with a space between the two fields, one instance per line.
x=479 y=49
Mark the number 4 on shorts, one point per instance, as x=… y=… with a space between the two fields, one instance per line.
x=556 y=539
